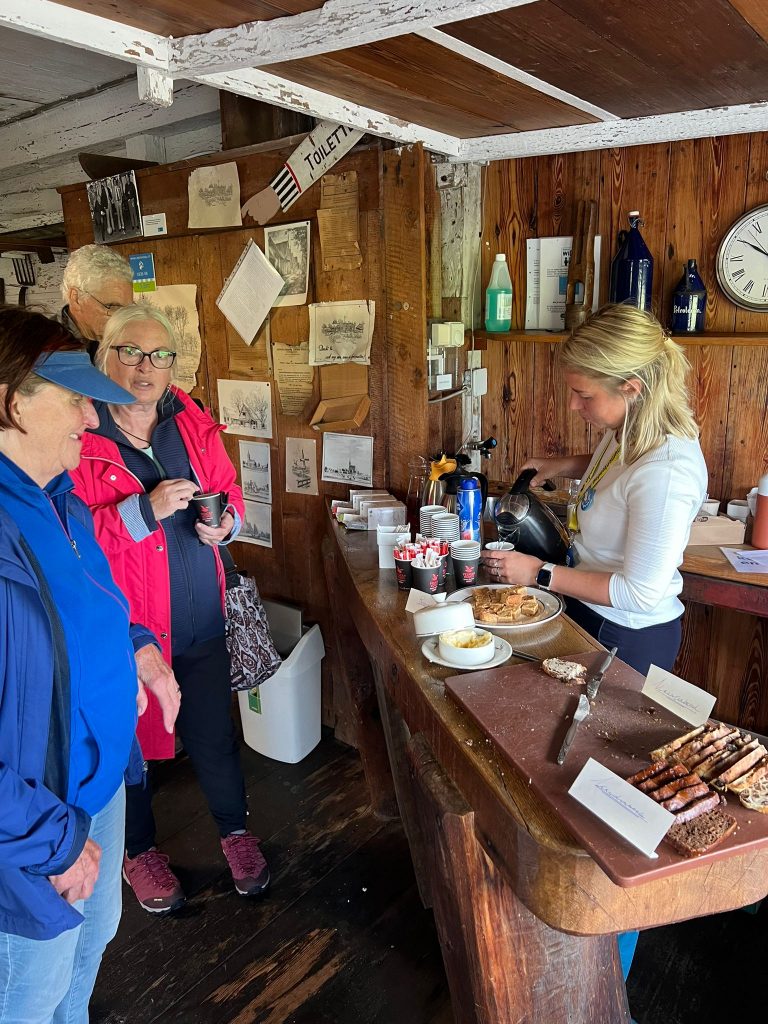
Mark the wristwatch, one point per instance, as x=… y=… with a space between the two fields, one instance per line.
x=544 y=575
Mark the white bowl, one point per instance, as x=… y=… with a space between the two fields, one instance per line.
x=738 y=509
x=450 y=647
x=429 y=621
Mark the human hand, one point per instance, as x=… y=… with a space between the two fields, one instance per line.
x=214 y=535
x=547 y=468
x=157 y=676
x=512 y=567
x=170 y=496
x=77 y=882
x=261 y=207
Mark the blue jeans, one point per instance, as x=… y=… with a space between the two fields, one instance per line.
x=50 y=981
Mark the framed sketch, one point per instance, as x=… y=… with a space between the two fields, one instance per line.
x=245 y=407
x=114 y=206
x=348 y=459
x=257 y=525
x=287 y=249
x=300 y=465
x=255 y=473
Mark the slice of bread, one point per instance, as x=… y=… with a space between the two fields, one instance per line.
x=567 y=671
x=756 y=797
x=751 y=777
x=704 y=833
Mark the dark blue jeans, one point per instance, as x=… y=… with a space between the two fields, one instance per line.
x=640 y=648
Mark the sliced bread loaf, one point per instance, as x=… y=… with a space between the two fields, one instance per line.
x=692 y=838
x=756 y=797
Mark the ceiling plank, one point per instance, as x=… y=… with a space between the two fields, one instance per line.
x=261 y=85
x=338 y=25
x=755 y=14
x=110 y=114
x=636 y=131
x=86 y=31
x=487 y=60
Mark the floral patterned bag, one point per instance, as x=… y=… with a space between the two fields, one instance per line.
x=252 y=652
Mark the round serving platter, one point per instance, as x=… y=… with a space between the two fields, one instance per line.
x=552 y=607
x=502 y=651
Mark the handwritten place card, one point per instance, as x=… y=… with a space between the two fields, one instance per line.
x=637 y=818
x=419 y=599
x=683 y=699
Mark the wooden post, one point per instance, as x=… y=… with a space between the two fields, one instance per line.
x=502 y=962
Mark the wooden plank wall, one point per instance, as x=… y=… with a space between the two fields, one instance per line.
x=292 y=570
x=689 y=193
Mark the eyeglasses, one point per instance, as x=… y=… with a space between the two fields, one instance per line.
x=129 y=355
x=108 y=307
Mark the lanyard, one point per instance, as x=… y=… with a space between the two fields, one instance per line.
x=586 y=494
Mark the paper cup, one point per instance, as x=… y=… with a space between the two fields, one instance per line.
x=465 y=571
x=425 y=518
x=499 y=545
x=426 y=579
x=210 y=507
x=403 y=573
x=738 y=509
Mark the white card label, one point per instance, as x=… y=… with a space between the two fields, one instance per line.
x=154 y=224
x=683 y=699
x=635 y=816
x=418 y=599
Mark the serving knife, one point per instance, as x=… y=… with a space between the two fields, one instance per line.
x=593 y=683
x=582 y=710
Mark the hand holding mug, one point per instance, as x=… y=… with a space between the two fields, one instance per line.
x=214 y=535
x=171 y=496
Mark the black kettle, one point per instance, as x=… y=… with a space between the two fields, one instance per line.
x=523 y=518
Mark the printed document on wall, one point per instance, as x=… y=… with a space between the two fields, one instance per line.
x=249 y=292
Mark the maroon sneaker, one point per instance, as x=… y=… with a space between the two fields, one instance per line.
x=155 y=886
x=250 y=872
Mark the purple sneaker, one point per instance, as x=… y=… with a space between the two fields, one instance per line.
x=155 y=886
x=250 y=872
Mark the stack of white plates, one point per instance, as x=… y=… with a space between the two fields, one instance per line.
x=445 y=526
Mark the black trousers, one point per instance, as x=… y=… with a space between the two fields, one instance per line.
x=640 y=648
x=208 y=733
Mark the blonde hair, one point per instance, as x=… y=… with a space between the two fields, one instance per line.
x=116 y=324
x=620 y=343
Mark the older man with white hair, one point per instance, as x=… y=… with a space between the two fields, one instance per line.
x=97 y=282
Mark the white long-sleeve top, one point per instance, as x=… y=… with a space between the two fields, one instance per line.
x=637 y=527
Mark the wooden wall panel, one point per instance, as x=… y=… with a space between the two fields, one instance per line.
x=509 y=219
x=292 y=569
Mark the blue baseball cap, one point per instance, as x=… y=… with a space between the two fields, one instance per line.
x=75 y=372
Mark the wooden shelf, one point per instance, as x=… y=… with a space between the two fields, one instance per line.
x=553 y=337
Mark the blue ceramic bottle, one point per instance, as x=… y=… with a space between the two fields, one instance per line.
x=689 y=302
x=632 y=268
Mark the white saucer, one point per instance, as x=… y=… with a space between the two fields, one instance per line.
x=502 y=652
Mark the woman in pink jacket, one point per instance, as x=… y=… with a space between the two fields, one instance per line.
x=138 y=472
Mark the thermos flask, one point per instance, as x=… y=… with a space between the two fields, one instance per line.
x=469 y=502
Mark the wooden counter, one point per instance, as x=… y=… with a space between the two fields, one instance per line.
x=526 y=918
x=709 y=578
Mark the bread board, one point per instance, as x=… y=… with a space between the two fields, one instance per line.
x=523 y=711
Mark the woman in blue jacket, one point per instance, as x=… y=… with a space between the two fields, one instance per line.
x=69 y=662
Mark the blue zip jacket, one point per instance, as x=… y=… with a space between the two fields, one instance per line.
x=67 y=695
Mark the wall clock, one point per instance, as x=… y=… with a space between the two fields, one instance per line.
x=742 y=261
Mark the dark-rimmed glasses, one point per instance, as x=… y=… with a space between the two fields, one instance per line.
x=130 y=355
x=108 y=307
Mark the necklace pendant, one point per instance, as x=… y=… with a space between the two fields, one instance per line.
x=589 y=497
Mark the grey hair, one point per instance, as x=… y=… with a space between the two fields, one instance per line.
x=90 y=266
x=139 y=312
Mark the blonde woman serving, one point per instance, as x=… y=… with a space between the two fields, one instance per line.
x=639 y=493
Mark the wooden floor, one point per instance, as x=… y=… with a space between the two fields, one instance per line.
x=342 y=937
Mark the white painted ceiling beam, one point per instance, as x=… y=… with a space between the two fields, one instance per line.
x=337 y=25
x=86 y=31
x=487 y=60
x=260 y=85
x=636 y=131
x=111 y=114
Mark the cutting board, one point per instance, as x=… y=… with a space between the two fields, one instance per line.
x=526 y=714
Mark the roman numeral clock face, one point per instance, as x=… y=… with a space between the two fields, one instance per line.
x=742 y=261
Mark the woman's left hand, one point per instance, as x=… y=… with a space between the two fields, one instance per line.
x=214 y=535
x=511 y=567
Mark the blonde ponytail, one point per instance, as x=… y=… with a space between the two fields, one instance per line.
x=621 y=343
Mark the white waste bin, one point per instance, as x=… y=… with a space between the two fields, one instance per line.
x=281 y=718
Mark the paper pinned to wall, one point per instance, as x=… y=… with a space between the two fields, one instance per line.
x=341 y=332
x=214 y=197
x=256 y=471
x=245 y=407
x=338 y=222
x=294 y=376
x=287 y=249
x=177 y=302
x=249 y=291
x=348 y=459
x=300 y=465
